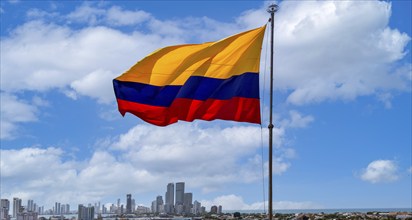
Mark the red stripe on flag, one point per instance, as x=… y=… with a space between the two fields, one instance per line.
x=235 y=109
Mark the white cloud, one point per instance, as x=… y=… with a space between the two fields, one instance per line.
x=35 y=172
x=235 y=202
x=331 y=50
x=221 y=154
x=215 y=151
x=254 y=18
x=380 y=171
x=144 y=159
x=92 y=14
x=118 y=16
x=386 y=99
x=70 y=58
x=297 y=120
x=87 y=14
x=360 y=54
x=45 y=175
x=38 y=101
x=36 y=161
x=97 y=84
x=15 y=111
x=296 y=205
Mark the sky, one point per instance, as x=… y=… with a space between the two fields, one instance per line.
x=342 y=105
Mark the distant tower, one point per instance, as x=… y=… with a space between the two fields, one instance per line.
x=159 y=204
x=16 y=206
x=197 y=207
x=187 y=202
x=118 y=206
x=154 y=207
x=85 y=213
x=5 y=207
x=219 y=209
x=30 y=206
x=213 y=209
x=129 y=204
x=57 y=208
x=180 y=193
x=170 y=198
x=133 y=205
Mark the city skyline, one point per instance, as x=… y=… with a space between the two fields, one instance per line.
x=342 y=104
x=186 y=206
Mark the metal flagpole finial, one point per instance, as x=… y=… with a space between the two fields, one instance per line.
x=273 y=8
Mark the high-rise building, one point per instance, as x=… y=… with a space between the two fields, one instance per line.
x=118 y=206
x=30 y=206
x=153 y=207
x=180 y=192
x=133 y=205
x=213 y=209
x=112 y=209
x=27 y=216
x=57 y=208
x=170 y=198
x=197 y=207
x=16 y=206
x=41 y=210
x=159 y=204
x=4 y=209
x=187 y=202
x=142 y=210
x=128 y=203
x=85 y=213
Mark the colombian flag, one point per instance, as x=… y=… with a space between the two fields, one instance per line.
x=214 y=80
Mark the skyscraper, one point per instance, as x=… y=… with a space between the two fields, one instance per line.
x=213 y=209
x=197 y=207
x=180 y=192
x=118 y=207
x=16 y=206
x=67 y=209
x=159 y=204
x=57 y=208
x=170 y=198
x=4 y=209
x=97 y=208
x=128 y=203
x=27 y=216
x=154 y=206
x=85 y=213
x=187 y=202
x=30 y=206
x=133 y=205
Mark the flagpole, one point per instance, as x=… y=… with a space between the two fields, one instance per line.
x=271 y=9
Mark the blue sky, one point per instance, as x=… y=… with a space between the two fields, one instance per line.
x=342 y=105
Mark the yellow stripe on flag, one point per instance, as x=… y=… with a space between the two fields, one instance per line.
x=222 y=59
